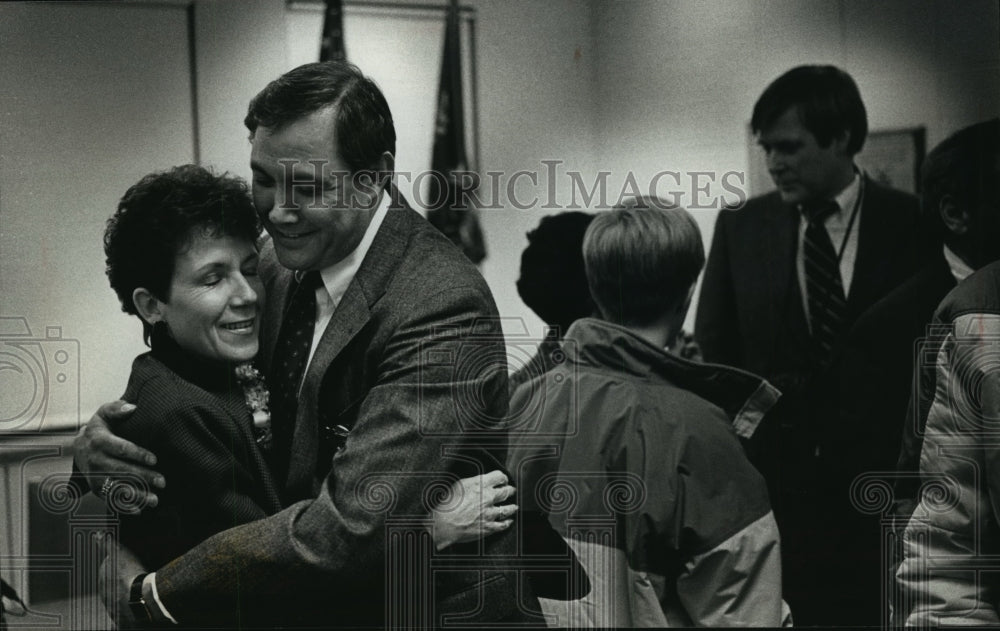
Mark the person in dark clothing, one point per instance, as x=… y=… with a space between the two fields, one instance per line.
x=181 y=256
x=787 y=276
x=553 y=284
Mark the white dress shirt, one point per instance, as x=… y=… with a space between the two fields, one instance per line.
x=337 y=277
x=960 y=270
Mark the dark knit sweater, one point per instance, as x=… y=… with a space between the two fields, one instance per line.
x=191 y=413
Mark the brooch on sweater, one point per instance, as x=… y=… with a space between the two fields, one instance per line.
x=256 y=397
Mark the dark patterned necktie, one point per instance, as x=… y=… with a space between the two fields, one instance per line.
x=291 y=353
x=824 y=288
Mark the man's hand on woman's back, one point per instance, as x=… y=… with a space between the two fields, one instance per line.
x=107 y=461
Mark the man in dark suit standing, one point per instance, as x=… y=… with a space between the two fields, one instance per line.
x=786 y=276
x=384 y=358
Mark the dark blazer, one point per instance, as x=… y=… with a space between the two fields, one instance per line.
x=877 y=367
x=875 y=376
x=191 y=413
x=750 y=307
x=750 y=315
x=412 y=363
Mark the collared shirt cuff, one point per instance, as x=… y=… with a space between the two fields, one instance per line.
x=151 y=580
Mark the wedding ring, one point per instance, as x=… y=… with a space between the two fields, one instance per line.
x=106 y=487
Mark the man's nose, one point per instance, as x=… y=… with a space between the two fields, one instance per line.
x=775 y=162
x=284 y=209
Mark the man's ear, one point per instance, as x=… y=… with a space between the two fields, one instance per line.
x=386 y=164
x=384 y=167
x=842 y=140
x=150 y=307
x=373 y=180
x=954 y=215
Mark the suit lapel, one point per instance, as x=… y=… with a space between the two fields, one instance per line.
x=875 y=250
x=766 y=266
x=368 y=285
x=774 y=250
x=780 y=242
x=352 y=314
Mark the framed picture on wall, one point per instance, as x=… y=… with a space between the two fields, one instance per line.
x=892 y=157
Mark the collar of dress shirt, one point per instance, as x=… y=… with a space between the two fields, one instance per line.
x=959 y=268
x=848 y=197
x=338 y=276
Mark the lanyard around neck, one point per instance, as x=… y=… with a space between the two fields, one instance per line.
x=850 y=223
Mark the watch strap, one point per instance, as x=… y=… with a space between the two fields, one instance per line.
x=136 y=602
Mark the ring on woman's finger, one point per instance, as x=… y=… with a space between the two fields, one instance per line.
x=106 y=487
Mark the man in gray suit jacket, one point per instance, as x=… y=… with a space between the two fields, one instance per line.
x=405 y=388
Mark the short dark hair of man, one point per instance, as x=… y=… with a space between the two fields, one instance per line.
x=363 y=128
x=642 y=258
x=553 y=281
x=159 y=216
x=827 y=100
x=964 y=167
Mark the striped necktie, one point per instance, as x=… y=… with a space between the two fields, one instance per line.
x=824 y=288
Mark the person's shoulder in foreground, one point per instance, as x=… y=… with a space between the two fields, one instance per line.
x=953 y=522
x=979 y=293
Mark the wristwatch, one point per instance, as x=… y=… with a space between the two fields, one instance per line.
x=137 y=603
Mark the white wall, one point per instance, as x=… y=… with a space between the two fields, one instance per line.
x=240 y=47
x=401 y=50
x=536 y=82
x=678 y=79
x=92 y=97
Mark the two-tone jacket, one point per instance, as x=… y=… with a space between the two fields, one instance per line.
x=951 y=546
x=633 y=454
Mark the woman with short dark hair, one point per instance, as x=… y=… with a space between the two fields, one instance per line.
x=182 y=256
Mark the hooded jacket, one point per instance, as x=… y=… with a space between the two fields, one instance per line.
x=633 y=454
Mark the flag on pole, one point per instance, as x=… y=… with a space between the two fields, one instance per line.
x=332 y=46
x=449 y=210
